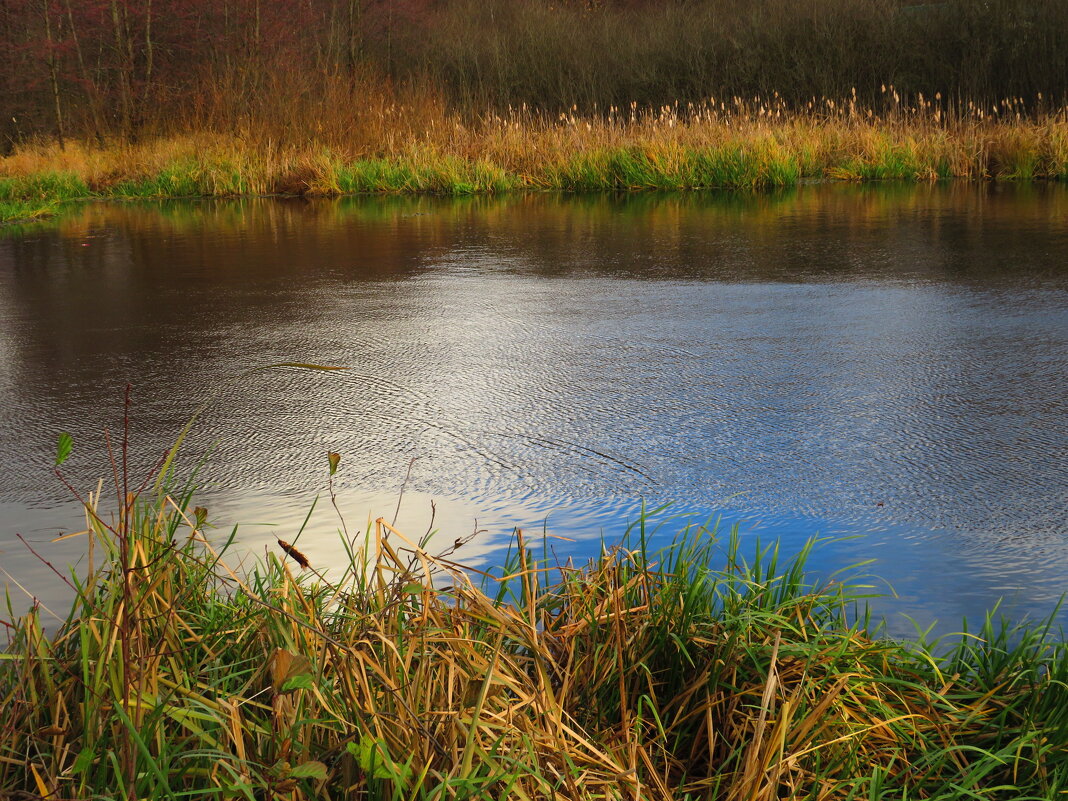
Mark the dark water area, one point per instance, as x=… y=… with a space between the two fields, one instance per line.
x=882 y=365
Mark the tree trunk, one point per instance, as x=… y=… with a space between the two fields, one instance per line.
x=124 y=54
x=355 y=39
x=149 y=50
x=53 y=72
x=92 y=91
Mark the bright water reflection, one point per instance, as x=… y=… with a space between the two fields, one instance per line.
x=879 y=361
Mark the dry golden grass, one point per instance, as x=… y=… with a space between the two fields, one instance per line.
x=391 y=147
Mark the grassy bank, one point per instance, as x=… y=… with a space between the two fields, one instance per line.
x=22 y=211
x=735 y=144
x=32 y=196
x=638 y=675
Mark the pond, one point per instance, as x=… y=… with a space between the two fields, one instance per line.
x=880 y=365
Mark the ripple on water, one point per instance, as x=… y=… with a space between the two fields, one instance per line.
x=897 y=375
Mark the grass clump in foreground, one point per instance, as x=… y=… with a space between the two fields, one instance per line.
x=639 y=675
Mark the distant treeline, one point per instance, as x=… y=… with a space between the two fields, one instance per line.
x=105 y=68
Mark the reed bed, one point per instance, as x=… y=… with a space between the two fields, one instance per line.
x=688 y=672
x=736 y=143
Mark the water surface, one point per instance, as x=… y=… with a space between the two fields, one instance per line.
x=886 y=362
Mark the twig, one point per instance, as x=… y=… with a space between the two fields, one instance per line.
x=403 y=485
x=51 y=567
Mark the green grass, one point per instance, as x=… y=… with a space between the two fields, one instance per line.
x=759 y=166
x=181 y=179
x=14 y=211
x=45 y=186
x=704 y=670
x=187 y=178
x=37 y=196
x=416 y=174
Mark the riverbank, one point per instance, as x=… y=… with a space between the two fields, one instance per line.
x=693 y=672
x=746 y=145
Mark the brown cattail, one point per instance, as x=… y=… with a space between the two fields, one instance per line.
x=298 y=557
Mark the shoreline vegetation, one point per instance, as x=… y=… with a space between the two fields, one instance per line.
x=742 y=145
x=691 y=672
x=180 y=98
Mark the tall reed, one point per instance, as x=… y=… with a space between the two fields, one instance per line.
x=738 y=143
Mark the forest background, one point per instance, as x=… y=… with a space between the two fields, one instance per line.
x=324 y=70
